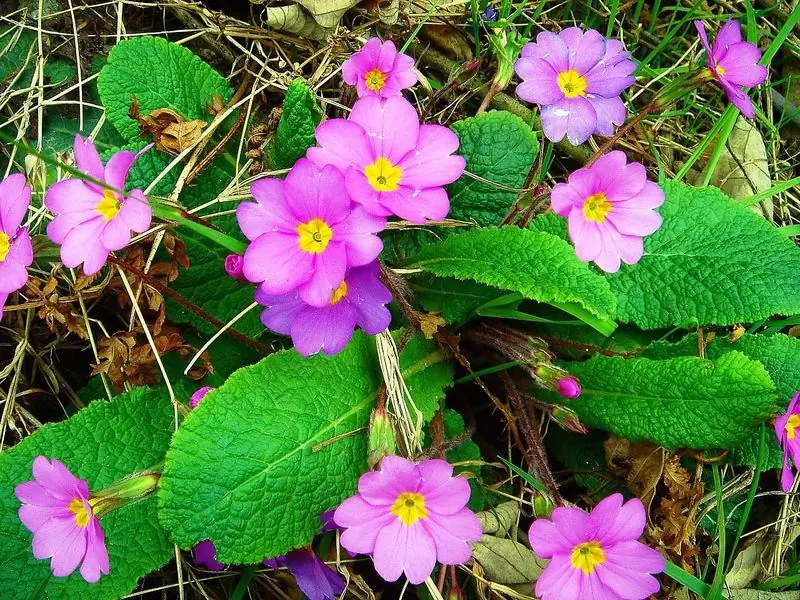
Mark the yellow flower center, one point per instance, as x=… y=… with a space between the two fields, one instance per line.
x=314 y=236
x=383 y=176
x=587 y=556
x=339 y=293
x=78 y=508
x=596 y=207
x=572 y=83
x=375 y=79
x=791 y=425
x=409 y=508
x=109 y=206
x=5 y=246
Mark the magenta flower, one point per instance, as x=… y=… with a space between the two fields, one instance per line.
x=305 y=233
x=596 y=556
x=569 y=387
x=57 y=508
x=234 y=267
x=610 y=209
x=92 y=221
x=409 y=517
x=195 y=398
x=577 y=79
x=359 y=301
x=786 y=429
x=378 y=69
x=314 y=578
x=205 y=555
x=392 y=164
x=16 y=252
x=734 y=64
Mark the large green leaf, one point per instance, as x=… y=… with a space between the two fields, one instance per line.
x=780 y=355
x=712 y=262
x=295 y=133
x=281 y=442
x=454 y=300
x=158 y=74
x=538 y=265
x=679 y=402
x=102 y=443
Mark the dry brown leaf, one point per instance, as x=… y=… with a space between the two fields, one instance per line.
x=641 y=465
x=170 y=131
x=429 y=324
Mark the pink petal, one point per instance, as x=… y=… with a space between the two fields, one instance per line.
x=71 y=195
x=417 y=206
x=585 y=48
x=327 y=275
x=728 y=35
x=450 y=549
x=15 y=197
x=560 y=580
x=117 y=168
x=386 y=56
x=13 y=276
x=462 y=525
x=3 y=300
x=391 y=125
x=81 y=242
x=585 y=236
x=58 y=480
x=649 y=197
x=358 y=231
x=635 y=554
x=342 y=144
x=21 y=249
x=563 y=198
x=314 y=193
x=368 y=295
x=611 y=113
x=547 y=540
x=136 y=212
x=420 y=554
x=71 y=552
x=634 y=222
x=326 y=329
x=35 y=516
x=572 y=522
x=32 y=492
x=116 y=234
x=446 y=498
x=87 y=159
x=269 y=213
x=573 y=117
x=276 y=261
x=431 y=163
x=48 y=539
x=609 y=259
x=625 y=582
x=397 y=475
x=391 y=545
x=540 y=81
x=95 y=259
x=281 y=310
x=787 y=476
x=59 y=228
x=95 y=562
x=740 y=65
x=360 y=539
x=701 y=31
x=355 y=511
x=363 y=193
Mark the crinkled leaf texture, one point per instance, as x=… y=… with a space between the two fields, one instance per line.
x=103 y=443
x=500 y=148
x=281 y=442
x=712 y=262
x=538 y=265
x=158 y=74
x=295 y=133
x=678 y=402
x=780 y=355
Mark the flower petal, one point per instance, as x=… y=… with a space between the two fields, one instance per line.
x=729 y=34
x=15 y=197
x=326 y=276
x=560 y=580
x=117 y=168
x=327 y=329
x=316 y=193
x=391 y=125
x=741 y=65
x=276 y=261
x=87 y=158
x=417 y=206
x=95 y=562
x=625 y=582
x=342 y=144
x=58 y=480
x=136 y=212
x=573 y=117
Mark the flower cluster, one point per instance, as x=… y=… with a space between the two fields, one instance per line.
x=314 y=243
x=409 y=517
x=598 y=555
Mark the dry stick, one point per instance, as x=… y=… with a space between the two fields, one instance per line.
x=167 y=291
x=534 y=448
x=439 y=62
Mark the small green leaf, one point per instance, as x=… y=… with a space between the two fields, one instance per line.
x=455 y=301
x=103 y=443
x=295 y=133
x=281 y=442
x=158 y=74
x=466 y=451
x=712 y=262
x=677 y=403
x=538 y=265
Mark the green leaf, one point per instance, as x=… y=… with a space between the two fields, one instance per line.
x=281 y=442
x=499 y=147
x=584 y=457
x=455 y=301
x=103 y=443
x=677 y=403
x=780 y=355
x=538 y=265
x=466 y=451
x=712 y=262
x=299 y=120
x=158 y=74
x=428 y=392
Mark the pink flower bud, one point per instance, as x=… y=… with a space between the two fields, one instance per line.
x=234 y=263
x=195 y=398
x=569 y=387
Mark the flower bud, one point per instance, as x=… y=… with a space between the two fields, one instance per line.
x=558 y=380
x=568 y=387
x=124 y=492
x=566 y=418
x=234 y=265
x=195 y=398
x=381 y=438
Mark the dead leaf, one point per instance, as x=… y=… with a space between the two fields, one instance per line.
x=499 y=519
x=507 y=561
x=295 y=19
x=747 y=565
x=743 y=168
x=327 y=13
x=429 y=324
x=170 y=131
x=641 y=465
x=761 y=595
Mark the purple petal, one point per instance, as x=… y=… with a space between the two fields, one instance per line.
x=391 y=125
x=327 y=275
x=586 y=49
x=729 y=34
x=364 y=522
x=314 y=578
x=95 y=562
x=35 y=516
x=739 y=99
x=32 y=492
x=268 y=213
x=205 y=555
x=15 y=197
x=701 y=31
x=327 y=329
x=611 y=113
x=116 y=234
x=741 y=65
x=13 y=275
x=573 y=117
x=281 y=310
x=553 y=47
x=463 y=525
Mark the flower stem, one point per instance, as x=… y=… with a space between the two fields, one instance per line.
x=173 y=213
